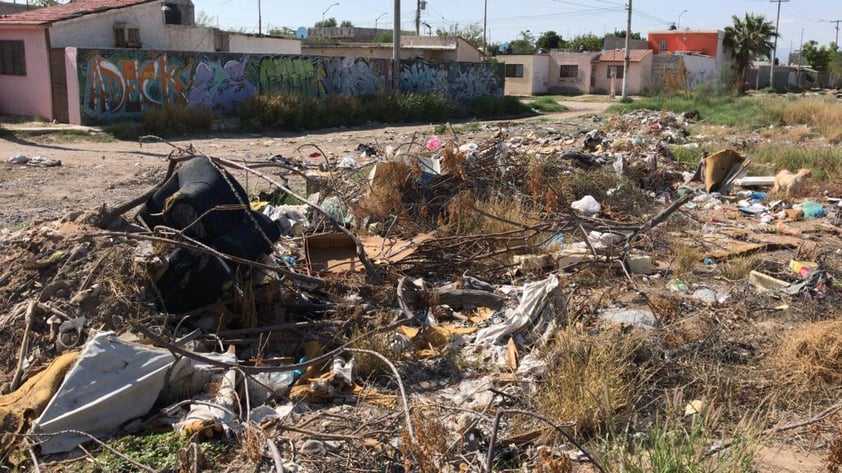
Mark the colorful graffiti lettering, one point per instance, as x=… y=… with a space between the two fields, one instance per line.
x=288 y=75
x=125 y=85
x=355 y=77
x=220 y=84
x=117 y=84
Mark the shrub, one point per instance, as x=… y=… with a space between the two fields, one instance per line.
x=293 y=112
x=176 y=120
x=123 y=130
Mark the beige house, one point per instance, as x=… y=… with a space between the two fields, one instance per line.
x=430 y=48
x=608 y=74
x=572 y=73
x=526 y=74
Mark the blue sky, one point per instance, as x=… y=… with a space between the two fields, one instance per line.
x=506 y=18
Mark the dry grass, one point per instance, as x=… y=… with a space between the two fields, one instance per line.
x=737 y=269
x=811 y=358
x=620 y=197
x=429 y=454
x=686 y=258
x=789 y=134
x=367 y=366
x=591 y=378
x=834 y=451
x=822 y=114
x=463 y=219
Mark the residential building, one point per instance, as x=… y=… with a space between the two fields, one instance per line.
x=428 y=48
x=526 y=74
x=698 y=44
x=609 y=72
x=576 y=73
x=36 y=45
x=572 y=73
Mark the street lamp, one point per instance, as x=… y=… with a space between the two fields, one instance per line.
x=325 y=12
x=678 y=25
x=375 y=22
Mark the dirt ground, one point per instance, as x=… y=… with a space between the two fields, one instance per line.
x=94 y=173
x=97 y=173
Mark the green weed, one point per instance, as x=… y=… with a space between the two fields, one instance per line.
x=158 y=451
x=546 y=104
x=687 y=155
x=683 y=444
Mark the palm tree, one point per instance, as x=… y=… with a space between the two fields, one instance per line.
x=748 y=39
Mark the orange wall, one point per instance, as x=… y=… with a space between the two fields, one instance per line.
x=685 y=41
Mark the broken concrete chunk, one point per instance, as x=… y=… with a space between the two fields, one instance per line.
x=763 y=282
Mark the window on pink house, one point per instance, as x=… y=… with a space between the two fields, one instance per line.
x=12 y=58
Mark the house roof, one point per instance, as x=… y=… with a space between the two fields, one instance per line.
x=617 y=55
x=687 y=31
x=66 y=11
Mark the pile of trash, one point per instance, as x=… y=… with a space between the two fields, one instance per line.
x=214 y=312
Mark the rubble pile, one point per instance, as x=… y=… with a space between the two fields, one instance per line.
x=400 y=301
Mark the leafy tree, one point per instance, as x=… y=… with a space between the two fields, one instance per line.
x=525 y=44
x=281 y=31
x=749 y=38
x=346 y=24
x=818 y=57
x=586 y=42
x=471 y=33
x=549 y=40
x=384 y=36
x=494 y=48
x=622 y=34
x=203 y=19
x=836 y=63
x=329 y=23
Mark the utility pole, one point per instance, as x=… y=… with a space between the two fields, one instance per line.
x=396 y=46
x=485 y=24
x=627 y=58
x=422 y=5
x=775 y=50
x=259 y=20
x=800 y=47
x=836 y=43
x=418 y=18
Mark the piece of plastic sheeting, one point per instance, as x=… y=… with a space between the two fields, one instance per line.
x=112 y=382
x=541 y=303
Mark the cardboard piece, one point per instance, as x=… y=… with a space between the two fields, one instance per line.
x=722 y=167
x=336 y=252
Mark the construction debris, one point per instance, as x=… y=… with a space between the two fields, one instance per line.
x=431 y=276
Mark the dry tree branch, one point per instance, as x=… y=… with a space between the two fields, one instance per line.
x=775 y=430
x=400 y=386
x=142 y=236
x=372 y=272
x=30 y=310
x=490 y=457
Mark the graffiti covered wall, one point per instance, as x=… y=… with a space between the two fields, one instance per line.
x=118 y=84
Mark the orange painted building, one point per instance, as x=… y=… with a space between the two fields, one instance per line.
x=707 y=43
